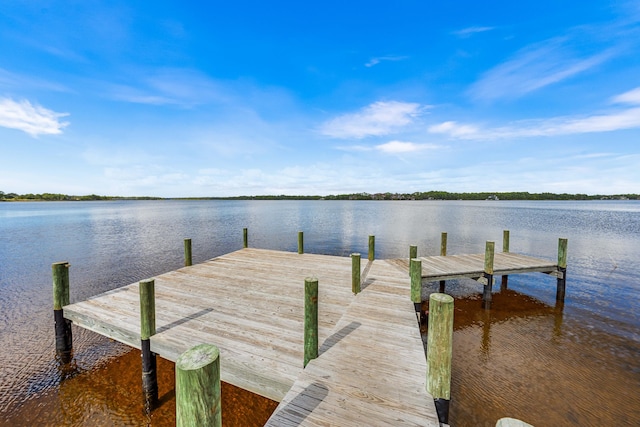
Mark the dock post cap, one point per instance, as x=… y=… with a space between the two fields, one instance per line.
x=438 y=297
x=197 y=357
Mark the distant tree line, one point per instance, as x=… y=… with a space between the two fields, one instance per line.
x=443 y=195
x=427 y=195
x=62 y=197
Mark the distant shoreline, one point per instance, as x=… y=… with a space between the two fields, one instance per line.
x=429 y=195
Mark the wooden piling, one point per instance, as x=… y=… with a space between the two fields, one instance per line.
x=62 y=326
x=505 y=241
x=300 y=242
x=415 y=271
x=187 y=253
x=439 y=350
x=198 y=391
x=372 y=248
x=245 y=238
x=310 y=319
x=443 y=244
x=443 y=252
x=505 y=248
x=355 y=273
x=562 y=269
x=489 y=253
x=148 y=329
x=413 y=252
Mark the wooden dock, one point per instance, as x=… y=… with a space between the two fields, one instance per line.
x=371 y=368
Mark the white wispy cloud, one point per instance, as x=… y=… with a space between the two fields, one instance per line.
x=378 y=59
x=13 y=80
x=630 y=97
x=392 y=147
x=628 y=118
x=469 y=31
x=537 y=66
x=379 y=118
x=32 y=119
x=170 y=86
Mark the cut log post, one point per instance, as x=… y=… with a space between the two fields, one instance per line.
x=187 y=253
x=439 y=349
x=562 y=269
x=245 y=238
x=62 y=326
x=372 y=248
x=310 y=319
x=488 y=274
x=300 y=242
x=355 y=273
x=505 y=248
x=148 y=329
x=443 y=252
x=198 y=401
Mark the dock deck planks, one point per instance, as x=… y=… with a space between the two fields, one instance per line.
x=372 y=370
x=250 y=303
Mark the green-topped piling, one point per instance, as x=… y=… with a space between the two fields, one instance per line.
x=310 y=319
x=198 y=391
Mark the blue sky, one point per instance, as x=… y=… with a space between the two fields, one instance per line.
x=244 y=98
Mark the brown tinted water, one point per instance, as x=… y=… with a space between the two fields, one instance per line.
x=528 y=360
x=110 y=394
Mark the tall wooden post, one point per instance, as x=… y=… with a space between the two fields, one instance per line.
x=505 y=249
x=187 y=253
x=198 y=400
x=300 y=242
x=415 y=271
x=443 y=252
x=147 y=329
x=562 y=269
x=439 y=350
x=372 y=248
x=62 y=326
x=245 y=238
x=488 y=274
x=310 y=319
x=355 y=273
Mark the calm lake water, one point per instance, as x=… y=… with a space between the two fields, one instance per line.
x=527 y=358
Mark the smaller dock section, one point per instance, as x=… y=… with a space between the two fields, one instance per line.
x=471 y=266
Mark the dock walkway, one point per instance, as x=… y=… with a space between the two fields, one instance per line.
x=471 y=266
x=250 y=303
